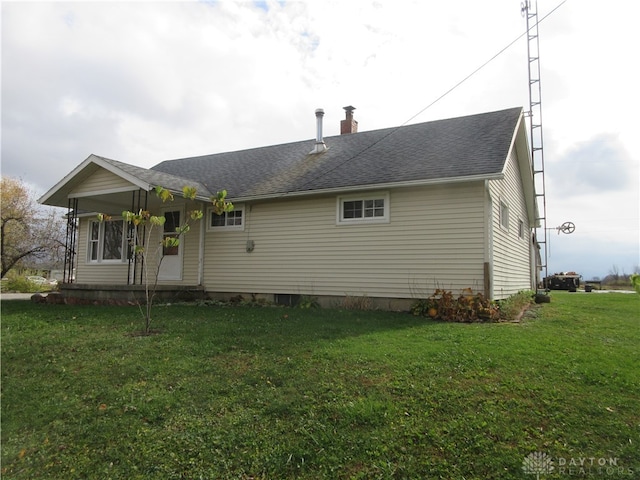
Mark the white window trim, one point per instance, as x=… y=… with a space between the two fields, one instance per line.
x=101 y=260
x=504 y=206
x=521 y=229
x=340 y=220
x=236 y=208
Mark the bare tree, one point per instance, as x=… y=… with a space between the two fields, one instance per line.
x=28 y=232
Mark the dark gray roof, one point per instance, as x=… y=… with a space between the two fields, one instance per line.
x=475 y=145
x=155 y=177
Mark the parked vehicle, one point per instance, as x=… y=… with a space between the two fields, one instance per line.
x=563 y=281
x=38 y=280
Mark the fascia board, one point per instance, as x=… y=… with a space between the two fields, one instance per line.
x=66 y=179
x=525 y=163
x=375 y=186
x=88 y=161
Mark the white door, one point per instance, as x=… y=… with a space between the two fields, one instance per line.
x=171 y=266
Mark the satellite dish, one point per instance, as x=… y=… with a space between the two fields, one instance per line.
x=566 y=227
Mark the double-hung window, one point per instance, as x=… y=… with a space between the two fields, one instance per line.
x=363 y=208
x=106 y=241
x=227 y=220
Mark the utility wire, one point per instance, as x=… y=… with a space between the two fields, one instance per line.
x=392 y=131
x=483 y=65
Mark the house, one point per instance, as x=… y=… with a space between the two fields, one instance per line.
x=390 y=214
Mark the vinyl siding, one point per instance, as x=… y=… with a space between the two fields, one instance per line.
x=511 y=254
x=99 y=181
x=434 y=239
x=90 y=272
x=116 y=272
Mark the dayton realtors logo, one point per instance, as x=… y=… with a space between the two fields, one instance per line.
x=539 y=463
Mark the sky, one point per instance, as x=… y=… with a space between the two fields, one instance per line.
x=143 y=82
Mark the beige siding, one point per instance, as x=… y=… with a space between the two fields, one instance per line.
x=434 y=239
x=88 y=272
x=511 y=255
x=100 y=181
x=116 y=272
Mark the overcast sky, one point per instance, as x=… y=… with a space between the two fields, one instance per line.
x=143 y=82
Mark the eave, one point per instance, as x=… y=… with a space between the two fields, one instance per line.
x=368 y=187
x=60 y=193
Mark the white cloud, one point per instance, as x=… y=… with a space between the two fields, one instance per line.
x=147 y=81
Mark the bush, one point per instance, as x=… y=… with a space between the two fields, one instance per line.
x=467 y=307
x=21 y=284
x=307 y=302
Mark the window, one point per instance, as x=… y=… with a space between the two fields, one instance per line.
x=94 y=241
x=504 y=215
x=374 y=208
x=106 y=241
x=171 y=224
x=228 y=220
x=520 y=229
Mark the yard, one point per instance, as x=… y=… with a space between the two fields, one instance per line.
x=281 y=393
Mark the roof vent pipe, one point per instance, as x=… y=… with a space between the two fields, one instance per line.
x=320 y=145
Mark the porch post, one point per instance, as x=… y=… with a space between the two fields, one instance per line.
x=136 y=264
x=70 y=241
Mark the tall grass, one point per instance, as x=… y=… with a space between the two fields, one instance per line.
x=281 y=393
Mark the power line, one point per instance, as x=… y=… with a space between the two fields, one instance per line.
x=483 y=65
x=393 y=130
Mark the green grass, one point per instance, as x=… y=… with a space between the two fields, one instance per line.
x=240 y=393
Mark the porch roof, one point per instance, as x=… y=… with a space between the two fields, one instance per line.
x=137 y=178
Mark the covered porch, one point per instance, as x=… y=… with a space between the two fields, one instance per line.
x=103 y=255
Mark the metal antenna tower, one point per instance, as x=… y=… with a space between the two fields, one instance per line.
x=535 y=125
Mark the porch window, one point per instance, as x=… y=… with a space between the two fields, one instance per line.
x=369 y=208
x=228 y=220
x=106 y=241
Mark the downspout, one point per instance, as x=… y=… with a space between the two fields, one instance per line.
x=203 y=227
x=488 y=243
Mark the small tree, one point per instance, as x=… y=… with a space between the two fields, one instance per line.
x=27 y=231
x=151 y=256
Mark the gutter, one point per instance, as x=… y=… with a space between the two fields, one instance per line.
x=373 y=186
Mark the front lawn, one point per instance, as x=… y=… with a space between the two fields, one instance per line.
x=275 y=393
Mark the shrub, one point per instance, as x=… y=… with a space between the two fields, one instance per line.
x=306 y=302
x=422 y=307
x=511 y=308
x=467 y=307
x=21 y=284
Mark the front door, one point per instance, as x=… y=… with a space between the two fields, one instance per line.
x=171 y=266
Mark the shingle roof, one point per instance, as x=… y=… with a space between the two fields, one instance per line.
x=470 y=146
x=154 y=177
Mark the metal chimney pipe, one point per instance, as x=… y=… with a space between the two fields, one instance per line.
x=320 y=145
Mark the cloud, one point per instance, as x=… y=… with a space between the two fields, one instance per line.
x=143 y=82
x=596 y=166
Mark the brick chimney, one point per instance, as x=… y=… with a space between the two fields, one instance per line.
x=348 y=125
